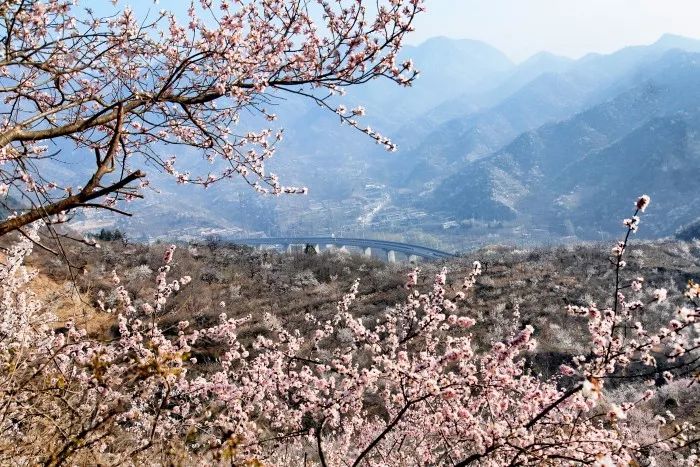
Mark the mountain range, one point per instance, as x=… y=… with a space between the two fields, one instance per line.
x=550 y=149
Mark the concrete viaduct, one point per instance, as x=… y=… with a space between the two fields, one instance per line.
x=367 y=246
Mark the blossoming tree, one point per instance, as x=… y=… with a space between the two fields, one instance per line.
x=123 y=91
x=410 y=389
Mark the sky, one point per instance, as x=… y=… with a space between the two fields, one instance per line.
x=521 y=28
x=573 y=28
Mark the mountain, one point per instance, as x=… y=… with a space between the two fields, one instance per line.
x=689 y=232
x=448 y=68
x=542 y=62
x=459 y=141
x=565 y=176
x=550 y=96
x=520 y=75
x=661 y=158
x=488 y=151
x=459 y=107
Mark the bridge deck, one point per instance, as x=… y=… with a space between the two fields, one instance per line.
x=405 y=248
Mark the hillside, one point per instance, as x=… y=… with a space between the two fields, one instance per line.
x=539 y=282
x=563 y=176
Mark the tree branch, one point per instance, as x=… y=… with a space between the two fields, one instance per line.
x=65 y=204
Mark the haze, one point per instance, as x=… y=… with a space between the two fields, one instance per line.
x=570 y=28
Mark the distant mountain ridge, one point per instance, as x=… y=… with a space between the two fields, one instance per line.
x=482 y=141
x=573 y=168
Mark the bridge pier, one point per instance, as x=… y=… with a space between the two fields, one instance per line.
x=391 y=256
x=317 y=248
x=413 y=259
x=289 y=247
x=368 y=252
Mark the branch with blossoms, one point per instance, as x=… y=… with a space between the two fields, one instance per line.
x=141 y=90
x=409 y=387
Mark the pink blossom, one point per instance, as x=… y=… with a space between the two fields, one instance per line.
x=659 y=294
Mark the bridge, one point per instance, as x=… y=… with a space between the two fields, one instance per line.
x=368 y=247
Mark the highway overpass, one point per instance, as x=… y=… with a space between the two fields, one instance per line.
x=367 y=246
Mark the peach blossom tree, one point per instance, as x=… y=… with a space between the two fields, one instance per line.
x=124 y=91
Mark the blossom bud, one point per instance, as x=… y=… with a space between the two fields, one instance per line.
x=643 y=202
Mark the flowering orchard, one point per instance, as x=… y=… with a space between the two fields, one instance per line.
x=126 y=91
x=411 y=389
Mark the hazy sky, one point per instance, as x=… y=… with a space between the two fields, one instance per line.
x=573 y=28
